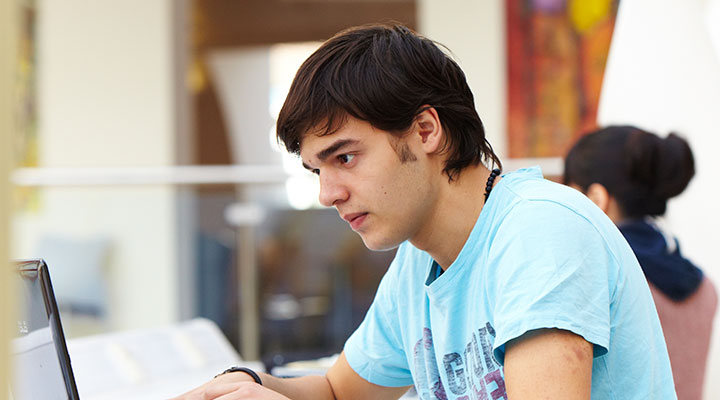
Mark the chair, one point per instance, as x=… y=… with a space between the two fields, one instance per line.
x=688 y=352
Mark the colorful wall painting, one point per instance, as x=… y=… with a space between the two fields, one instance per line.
x=557 y=51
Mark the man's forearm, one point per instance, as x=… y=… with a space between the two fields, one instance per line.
x=311 y=387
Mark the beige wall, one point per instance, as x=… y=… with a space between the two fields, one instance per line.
x=107 y=97
x=475 y=33
x=7 y=64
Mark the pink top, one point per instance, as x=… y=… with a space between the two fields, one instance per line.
x=687 y=326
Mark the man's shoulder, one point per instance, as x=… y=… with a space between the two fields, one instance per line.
x=530 y=184
x=531 y=206
x=528 y=189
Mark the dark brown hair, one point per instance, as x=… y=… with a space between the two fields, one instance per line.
x=384 y=74
x=639 y=169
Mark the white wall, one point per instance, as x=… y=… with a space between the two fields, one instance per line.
x=106 y=82
x=663 y=74
x=241 y=77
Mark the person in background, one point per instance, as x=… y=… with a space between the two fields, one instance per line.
x=631 y=174
x=503 y=285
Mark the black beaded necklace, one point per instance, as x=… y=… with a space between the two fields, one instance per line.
x=491 y=179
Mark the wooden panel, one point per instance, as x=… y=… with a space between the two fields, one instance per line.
x=252 y=22
x=212 y=146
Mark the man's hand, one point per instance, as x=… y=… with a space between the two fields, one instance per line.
x=234 y=385
x=340 y=382
x=548 y=364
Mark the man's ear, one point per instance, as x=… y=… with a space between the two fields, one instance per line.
x=599 y=195
x=429 y=129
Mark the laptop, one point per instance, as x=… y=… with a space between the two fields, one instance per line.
x=141 y=364
x=39 y=355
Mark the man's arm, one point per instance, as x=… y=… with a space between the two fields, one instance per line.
x=548 y=364
x=347 y=384
x=340 y=382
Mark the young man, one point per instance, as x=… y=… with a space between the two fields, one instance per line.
x=502 y=287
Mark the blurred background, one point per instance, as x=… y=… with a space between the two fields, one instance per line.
x=147 y=175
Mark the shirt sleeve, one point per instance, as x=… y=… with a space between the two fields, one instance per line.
x=375 y=350
x=550 y=268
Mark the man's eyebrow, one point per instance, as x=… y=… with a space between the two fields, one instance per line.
x=327 y=152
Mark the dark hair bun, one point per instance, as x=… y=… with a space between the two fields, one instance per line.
x=639 y=169
x=676 y=166
x=658 y=168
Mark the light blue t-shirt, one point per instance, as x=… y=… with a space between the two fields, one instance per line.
x=541 y=255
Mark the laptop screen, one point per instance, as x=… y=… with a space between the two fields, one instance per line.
x=41 y=363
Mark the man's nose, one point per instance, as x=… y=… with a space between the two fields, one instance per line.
x=332 y=190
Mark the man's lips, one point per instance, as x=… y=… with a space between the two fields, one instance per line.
x=355 y=219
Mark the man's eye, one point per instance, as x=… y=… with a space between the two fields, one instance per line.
x=346 y=158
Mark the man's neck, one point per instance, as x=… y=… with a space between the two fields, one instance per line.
x=454 y=215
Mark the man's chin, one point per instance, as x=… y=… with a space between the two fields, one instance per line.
x=378 y=245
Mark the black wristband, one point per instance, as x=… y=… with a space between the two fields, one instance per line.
x=246 y=370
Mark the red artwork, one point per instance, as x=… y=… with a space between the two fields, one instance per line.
x=557 y=50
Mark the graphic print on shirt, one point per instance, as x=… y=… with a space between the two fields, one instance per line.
x=472 y=375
